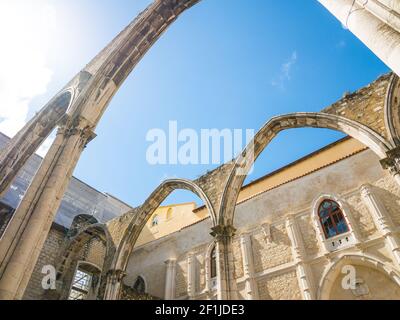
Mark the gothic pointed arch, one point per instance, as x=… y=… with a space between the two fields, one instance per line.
x=243 y=164
x=14 y=156
x=144 y=213
x=392 y=110
x=69 y=257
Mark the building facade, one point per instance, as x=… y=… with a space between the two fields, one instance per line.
x=325 y=227
x=282 y=248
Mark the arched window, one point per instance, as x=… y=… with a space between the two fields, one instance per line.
x=155 y=221
x=169 y=213
x=139 y=286
x=332 y=219
x=213 y=263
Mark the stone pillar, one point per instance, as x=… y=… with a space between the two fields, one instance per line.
x=227 y=288
x=114 y=284
x=382 y=220
x=191 y=274
x=23 y=240
x=248 y=267
x=170 y=275
x=378 y=35
x=304 y=274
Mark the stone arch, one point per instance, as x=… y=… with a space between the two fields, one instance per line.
x=332 y=271
x=142 y=278
x=80 y=222
x=141 y=217
x=23 y=145
x=95 y=272
x=69 y=257
x=392 y=110
x=245 y=161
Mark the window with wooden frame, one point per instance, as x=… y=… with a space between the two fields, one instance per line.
x=332 y=219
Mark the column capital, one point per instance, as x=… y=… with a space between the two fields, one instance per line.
x=392 y=161
x=170 y=262
x=245 y=237
x=223 y=231
x=116 y=275
x=366 y=190
x=77 y=126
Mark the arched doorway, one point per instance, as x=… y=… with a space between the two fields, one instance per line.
x=354 y=277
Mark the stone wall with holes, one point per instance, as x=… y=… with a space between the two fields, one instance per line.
x=48 y=256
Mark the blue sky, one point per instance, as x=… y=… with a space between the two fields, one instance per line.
x=223 y=64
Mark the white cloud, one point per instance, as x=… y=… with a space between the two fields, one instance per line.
x=26 y=27
x=285 y=74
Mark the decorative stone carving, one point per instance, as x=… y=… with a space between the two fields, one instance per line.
x=382 y=220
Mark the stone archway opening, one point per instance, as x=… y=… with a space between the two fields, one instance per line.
x=151 y=216
x=271 y=129
x=359 y=278
x=91 y=246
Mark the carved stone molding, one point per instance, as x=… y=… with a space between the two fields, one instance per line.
x=223 y=231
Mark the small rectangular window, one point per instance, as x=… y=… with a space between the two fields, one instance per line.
x=80 y=285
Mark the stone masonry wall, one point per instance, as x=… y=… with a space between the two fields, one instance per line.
x=279 y=287
x=361 y=216
x=365 y=105
x=95 y=253
x=181 y=279
x=309 y=235
x=389 y=193
x=269 y=254
x=238 y=259
x=48 y=256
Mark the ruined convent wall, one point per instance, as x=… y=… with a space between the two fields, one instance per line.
x=264 y=220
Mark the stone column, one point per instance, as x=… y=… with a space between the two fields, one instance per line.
x=382 y=220
x=170 y=275
x=248 y=267
x=191 y=274
x=304 y=274
x=378 y=35
x=227 y=288
x=114 y=284
x=23 y=240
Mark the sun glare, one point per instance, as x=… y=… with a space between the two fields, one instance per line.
x=26 y=30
